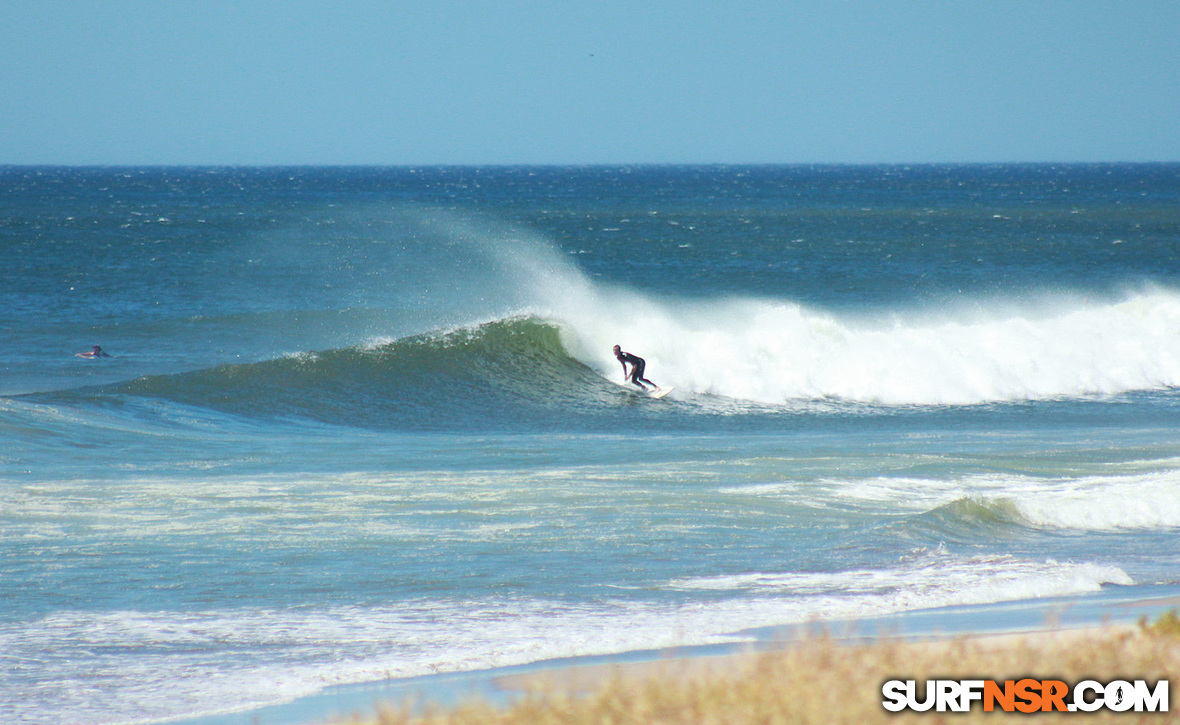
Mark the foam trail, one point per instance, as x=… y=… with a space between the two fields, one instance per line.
x=1146 y=501
x=771 y=351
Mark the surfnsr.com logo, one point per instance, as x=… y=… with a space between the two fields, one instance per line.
x=1026 y=695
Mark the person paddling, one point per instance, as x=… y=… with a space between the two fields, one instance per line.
x=94 y=354
x=637 y=366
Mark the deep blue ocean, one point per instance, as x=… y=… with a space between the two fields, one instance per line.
x=361 y=423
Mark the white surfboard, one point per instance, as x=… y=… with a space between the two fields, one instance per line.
x=634 y=390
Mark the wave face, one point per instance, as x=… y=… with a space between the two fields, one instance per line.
x=514 y=368
x=532 y=372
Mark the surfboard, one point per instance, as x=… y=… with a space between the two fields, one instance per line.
x=653 y=394
x=631 y=388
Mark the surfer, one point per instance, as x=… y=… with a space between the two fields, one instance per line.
x=94 y=354
x=637 y=366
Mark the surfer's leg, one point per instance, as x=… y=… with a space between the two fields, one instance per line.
x=637 y=374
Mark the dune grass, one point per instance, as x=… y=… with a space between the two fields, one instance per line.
x=822 y=681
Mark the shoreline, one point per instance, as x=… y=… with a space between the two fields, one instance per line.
x=822 y=680
x=1111 y=607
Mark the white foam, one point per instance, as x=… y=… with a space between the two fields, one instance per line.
x=1140 y=500
x=124 y=667
x=931 y=579
x=1105 y=503
x=771 y=351
x=106 y=667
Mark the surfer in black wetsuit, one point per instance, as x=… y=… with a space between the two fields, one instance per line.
x=637 y=366
x=96 y=353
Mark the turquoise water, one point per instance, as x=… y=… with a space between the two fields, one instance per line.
x=366 y=423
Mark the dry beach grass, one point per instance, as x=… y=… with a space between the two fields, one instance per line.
x=822 y=681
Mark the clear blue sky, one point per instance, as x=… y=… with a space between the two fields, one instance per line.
x=587 y=81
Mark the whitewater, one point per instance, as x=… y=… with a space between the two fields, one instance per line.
x=362 y=424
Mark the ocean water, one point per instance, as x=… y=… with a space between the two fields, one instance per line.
x=366 y=423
